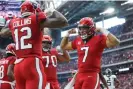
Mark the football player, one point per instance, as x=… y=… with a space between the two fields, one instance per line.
x=6 y=69
x=51 y=56
x=27 y=34
x=111 y=79
x=89 y=48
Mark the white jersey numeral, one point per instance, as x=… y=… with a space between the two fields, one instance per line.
x=21 y=40
x=86 y=52
x=1 y=72
x=54 y=63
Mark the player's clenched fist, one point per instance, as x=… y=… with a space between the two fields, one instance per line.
x=72 y=31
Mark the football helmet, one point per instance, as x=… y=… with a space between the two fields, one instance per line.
x=108 y=71
x=10 y=49
x=28 y=7
x=46 y=43
x=86 y=27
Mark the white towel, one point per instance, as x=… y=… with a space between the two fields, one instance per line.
x=71 y=83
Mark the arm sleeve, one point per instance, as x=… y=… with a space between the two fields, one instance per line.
x=74 y=46
x=103 y=39
x=54 y=51
x=12 y=60
x=41 y=16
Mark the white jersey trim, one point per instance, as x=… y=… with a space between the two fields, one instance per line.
x=11 y=83
x=39 y=73
x=97 y=82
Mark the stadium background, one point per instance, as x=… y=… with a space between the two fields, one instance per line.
x=118 y=20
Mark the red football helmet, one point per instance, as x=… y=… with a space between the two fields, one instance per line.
x=47 y=38
x=28 y=8
x=10 y=49
x=46 y=43
x=86 y=27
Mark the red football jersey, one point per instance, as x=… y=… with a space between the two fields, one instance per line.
x=27 y=35
x=90 y=53
x=50 y=64
x=4 y=63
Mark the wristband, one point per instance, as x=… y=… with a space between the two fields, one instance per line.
x=49 y=11
x=105 y=32
x=66 y=35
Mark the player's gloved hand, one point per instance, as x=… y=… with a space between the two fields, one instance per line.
x=49 y=11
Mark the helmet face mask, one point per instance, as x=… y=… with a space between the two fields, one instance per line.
x=46 y=46
x=46 y=43
x=85 y=32
x=108 y=71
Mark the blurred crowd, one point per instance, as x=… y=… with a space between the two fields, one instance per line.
x=126 y=81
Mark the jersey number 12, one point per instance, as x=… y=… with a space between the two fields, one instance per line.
x=20 y=42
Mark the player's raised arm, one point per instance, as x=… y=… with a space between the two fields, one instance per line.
x=111 y=41
x=65 y=43
x=103 y=80
x=63 y=55
x=5 y=31
x=10 y=72
x=54 y=20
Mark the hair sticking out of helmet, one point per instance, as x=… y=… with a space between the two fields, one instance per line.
x=28 y=8
x=86 y=27
x=10 y=49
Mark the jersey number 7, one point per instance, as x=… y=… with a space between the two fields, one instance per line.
x=86 y=49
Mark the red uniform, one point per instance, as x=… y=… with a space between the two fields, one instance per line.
x=29 y=73
x=4 y=63
x=50 y=65
x=89 y=61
